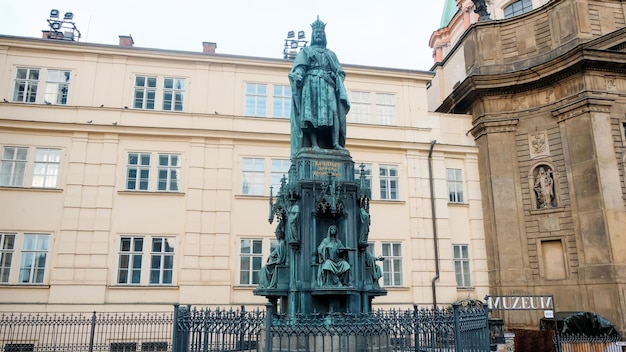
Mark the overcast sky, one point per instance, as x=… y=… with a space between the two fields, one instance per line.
x=390 y=33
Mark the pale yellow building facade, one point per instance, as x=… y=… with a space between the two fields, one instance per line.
x=132 y=179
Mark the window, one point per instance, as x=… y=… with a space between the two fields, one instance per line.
x=461 y=265
x=282 y=101
x=26 y=83
x=131 y=260
x=139 y=168
x=154 y=346
x=256 y=99
x=455 y=185
x=34 y=255
x=7 y=246
x=13 y=166
x=360 y=107
x=161 y=261
x=19 y=347
x=169 y=169
x=518 y=8
x=251 y=257
x=280 y=168
x=145 y=92
x=385 y=109
x=367 y=170
x=392 y=265
x=137 y=171
x=16 y=165
x=173 y=94
x=388 y=182
x=57 y=86
x=123 y=346
x=253 y=176
x=46 y=168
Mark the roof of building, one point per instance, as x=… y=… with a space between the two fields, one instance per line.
x=450 y=9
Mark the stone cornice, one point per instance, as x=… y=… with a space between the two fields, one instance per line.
x=483 y=127
x=582 y=106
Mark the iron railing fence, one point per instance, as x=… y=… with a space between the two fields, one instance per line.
x=115 y=332
x=584 y=343
x=426 y=329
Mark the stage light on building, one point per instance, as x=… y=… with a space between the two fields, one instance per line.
x=293 y=45
x=64 y=29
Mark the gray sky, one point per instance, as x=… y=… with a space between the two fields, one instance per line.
x=390 y=33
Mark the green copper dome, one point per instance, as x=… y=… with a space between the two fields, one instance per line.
x=449 y=10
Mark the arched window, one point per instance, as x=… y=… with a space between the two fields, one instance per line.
x=517 y=8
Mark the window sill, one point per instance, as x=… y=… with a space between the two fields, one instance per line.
x=149 y=287
x=548 y=210
x=244 y=287
x=153 y=193
x=395 y=288
x=388 y=201
x=252 y=196
x=465 y=289
x=452 y=204
x=29 y=286
x=31 y=189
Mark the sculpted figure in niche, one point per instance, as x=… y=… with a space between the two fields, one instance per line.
x=375 y=270
x=333 y=269
x=268 y=276
x=319 y=98
x=293 y=215
x=364 y=228
x=544 y=187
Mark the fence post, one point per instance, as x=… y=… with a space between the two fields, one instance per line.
x=269 y=312
x=416 y=328
x=487 y=334
x=241 y=327
x=458 y=340
x=93 y=331
x=182 y=322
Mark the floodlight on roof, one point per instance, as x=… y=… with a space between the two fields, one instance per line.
x=293 y=45
x=54 y=13
x=290 y=34
x=68 y=16
x=300 y=34
x=56 y=25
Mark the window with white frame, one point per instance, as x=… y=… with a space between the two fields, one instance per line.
x=173 y=94
x=146 y=260
x=250 y=260
x=386 y=109
x=46 y=167
x=518 y=8
x=39 y=169
x=138 y=171
x=169 y=171
x=145 y=92
x=26 y=84
x=280 y=168
x=462 y=265
x=360 y=107
x=281 y=101
x=256 y=99
x=57 y=87
x=388 y=179
x=33 y=259
x=454 y=178
x=367 y=171
x=392 y=263
x=139 y=167
x=7 y=248
x=253 y=176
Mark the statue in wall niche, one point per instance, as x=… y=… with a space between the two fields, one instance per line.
x=268 y=276
x=480 y=7
x=319 y=98
x=544 y=187
x=293 y=215
x=364 y=227
x=333 y=268
x=375 y=270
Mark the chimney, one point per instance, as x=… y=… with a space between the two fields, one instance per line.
x=209 y=47
x=126 y=40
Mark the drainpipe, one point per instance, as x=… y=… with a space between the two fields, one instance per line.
x=434 y=216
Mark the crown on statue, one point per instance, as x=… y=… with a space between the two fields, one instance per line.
x=318 y=24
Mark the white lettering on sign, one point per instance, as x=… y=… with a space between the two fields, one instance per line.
x=520 y=302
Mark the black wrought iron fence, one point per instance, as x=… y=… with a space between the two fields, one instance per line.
x=115 y=332
x=456 y=329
